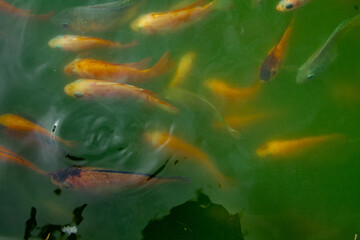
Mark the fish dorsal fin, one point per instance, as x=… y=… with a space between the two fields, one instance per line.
x=193 y=5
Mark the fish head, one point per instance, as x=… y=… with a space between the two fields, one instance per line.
x=62 y=20
x=66 y=178
x=264 y=151
x=75 y=89
x=288 y=5
x=142 y=24
x=268 y=71
x=306 y=73
x=70 y=69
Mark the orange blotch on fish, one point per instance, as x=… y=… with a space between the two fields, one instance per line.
x=296 y=147
x=74 y=43
x=99 y=180
x=177 y=146
x=22 y=125
x=97 y=89
x=7 y=155
x=94 y=69
x=231 y=92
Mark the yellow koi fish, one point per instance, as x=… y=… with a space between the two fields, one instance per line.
x=8 y=8
x=154 y=23
x=288 y=5
x=272 y=62
x=7 y=155
x=89 y=68
x=231 y=92
x=74 y=43
x=295 y=147
x=21 y=125
x=239 y=122
x=99 y=180
x=90 y=89
x=177 y=146
x=185 y=66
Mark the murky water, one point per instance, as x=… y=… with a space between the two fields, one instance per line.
x=314 y=196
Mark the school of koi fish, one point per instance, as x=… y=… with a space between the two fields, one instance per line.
x=96 y=80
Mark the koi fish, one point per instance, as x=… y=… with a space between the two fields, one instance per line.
x=90 y=89
x=21 y=125
x=230 y=92
x=327 y=53
x=73 y=43
x=96 y=18
x=272 y=62
x=185 y=66
x=8 y=8
x=7 y=155
x=99 y=179
x=295 y=147
x=89 y=68
x=288 y=5
x=154 y=23
x=238 y=122
x=177 y=146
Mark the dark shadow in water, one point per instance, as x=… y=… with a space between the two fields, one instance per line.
x=200 y=219
x=52 y=231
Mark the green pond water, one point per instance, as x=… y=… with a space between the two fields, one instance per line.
x=315 y=196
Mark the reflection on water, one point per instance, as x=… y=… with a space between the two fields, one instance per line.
x=217 y=115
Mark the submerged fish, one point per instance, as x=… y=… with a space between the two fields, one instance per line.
x=272 y=62
x=154 y=23
x=8 y=8
x=74 y=43
x=185 y=66
x=327 y=53
x=231 y=92
x=241 y=121
x=90 y=89
x=295 y=147
x=288 y=5
x=97 y=179
x=21 y=125
x=90 y=68
x=96 y=18
x=9 y=156
x=179 y=147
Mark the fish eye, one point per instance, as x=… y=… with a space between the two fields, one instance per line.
x=289 y=6
x=310 y=76
x=67 y=185
x=78 y=94
x=65 y=25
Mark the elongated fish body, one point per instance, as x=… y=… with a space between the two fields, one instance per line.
x=96 y=18
x=94 y=69
x=272 y=62
x=295 y=147
x=289 y=5
x=175 y=145
x=8 y=8
x=74 y=43
x=327 y=53
x=91 y=89
x=154 y=23
x=19 y=124
x=231 y=92
x=185 y=66
x=97 y=179
x=7 y=155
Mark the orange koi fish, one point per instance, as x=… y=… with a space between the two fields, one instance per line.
x=296 y=147
x=181 y=148
x=231 y=92
x=154 y=23
x=89 y=89
x=272 y=62
x=89 y=68
x=238 y=122
x=97 y=179
x=74 y=43
x=185 y=66
x=288 y=5
x=7 y=155
x=8 y=8
x=21 y=125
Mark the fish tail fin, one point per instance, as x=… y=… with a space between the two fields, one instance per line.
x=162 y=104
x=222 y=4
x=162 y=66
x=46 y=16
x=127 y=45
